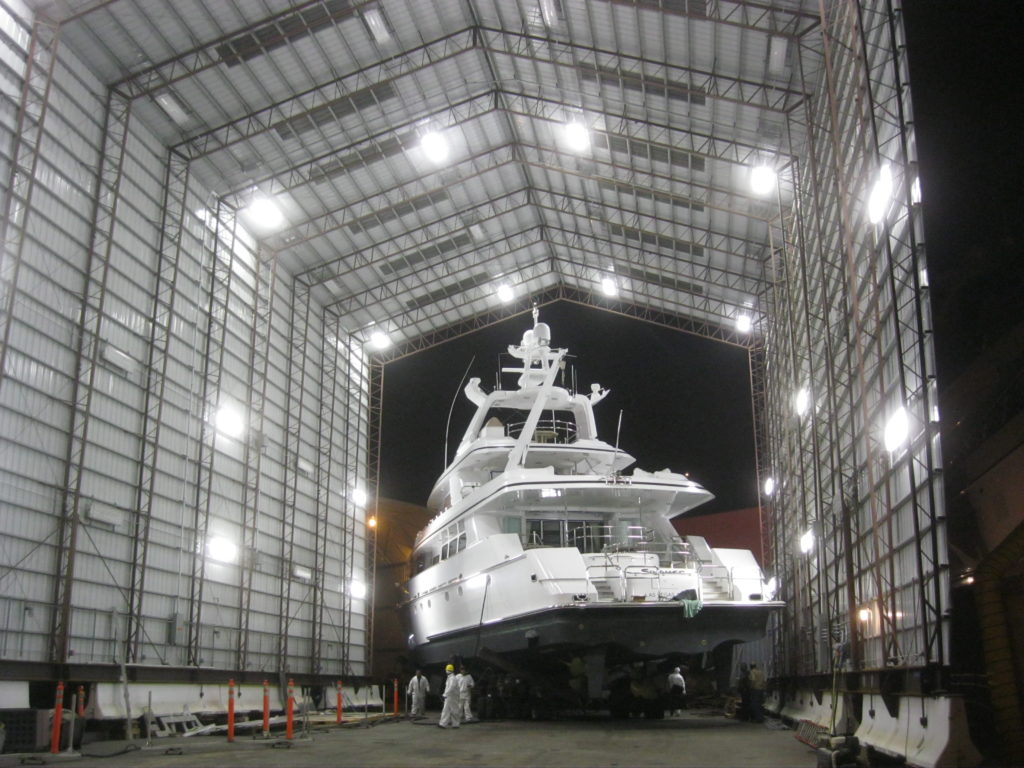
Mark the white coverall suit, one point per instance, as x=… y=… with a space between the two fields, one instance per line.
x=418 y=689
x=451 y=710
x=465 y=695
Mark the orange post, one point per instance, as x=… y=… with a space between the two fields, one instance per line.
x=266 y=709
x=289 y=728
x=81 y=701
x=231 y=709
x=394 y=683
x=58 y=715
x=338 y=702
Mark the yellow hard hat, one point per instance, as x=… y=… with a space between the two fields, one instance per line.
x=449 y=668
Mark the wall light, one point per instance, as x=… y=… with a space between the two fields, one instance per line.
x=358 y=497
x=807 y=541
x=864 y=614
x=357 y=589
x=264 y=213
x=802 y=401
x=769 y=486
x=897 y=429
x=229 y=421
x=744 y=323
x=609 y=287
x=380 y=340
x=577 y=137
x=222 y=550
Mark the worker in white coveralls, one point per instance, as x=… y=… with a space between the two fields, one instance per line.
x=417 y=690
x=676 y=692
x=451 y=709
x=466 y=683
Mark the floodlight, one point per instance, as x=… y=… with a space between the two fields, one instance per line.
x=897 y=429
x=380 y=340
x=358 y=496
x=357 y=589
x=881 y=195
x=505 y=292
x=743 y=323
x=434 y=146
x=609 y=287
x=802 y=401
x=264 y=213
x=763 y=179
x=769 y=486
x=222 y=550
x=229 y=421
x=864 y=614
x=807 y=541
x=577 y=136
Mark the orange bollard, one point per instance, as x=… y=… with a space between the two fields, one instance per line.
x=266 y=709
x=81 y=701
x=58 y=714
x=395 y=684
x=338 y=702
x=231 y=709
x=289 y=728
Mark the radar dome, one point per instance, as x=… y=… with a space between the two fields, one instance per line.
x=543 y=333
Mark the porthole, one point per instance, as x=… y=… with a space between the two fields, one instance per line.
x=447 y=597
x=460 y=590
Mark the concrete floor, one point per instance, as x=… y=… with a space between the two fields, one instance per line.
x=697 y=738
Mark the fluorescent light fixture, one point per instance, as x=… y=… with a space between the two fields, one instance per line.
x=609 y=287
x=807 y=541
x=380 y=340
x=881 y=195
x=477 y=232
x=577 y=137
x=550 y=493
x=359 y=497
x=778 y=53
x=763 y=179
x=743 y=323
x=301 y=572
x=802 y=401
x=915 y=190
x=434 y=146
x=264 y=213
x=357 y=589
x=222 y=550
x=229 y=421
x=377 y=25
x=769 y=486
x=549 y=12
x=897 y=429
x=505 y=293
x=175 y=110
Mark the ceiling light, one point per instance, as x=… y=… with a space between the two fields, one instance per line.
x=229 y=421
x=264 y=213
x=170 y=104
x=763 y=179
x=769 y=486
x=377 y=25
x=434 y=146
x=505 y=293
x=743 y=323
x=881 y=195
x=222 y=550
x=577 y=136
x=802 y=401
x=807 y=542
x=896 y=430
x=380 y=340
x=549 y=12
x=609 y=287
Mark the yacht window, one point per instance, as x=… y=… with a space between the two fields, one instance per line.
x=587 y=535
x=544 y=533
x=512 y=525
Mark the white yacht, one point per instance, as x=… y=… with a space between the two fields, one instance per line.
x=542 y=548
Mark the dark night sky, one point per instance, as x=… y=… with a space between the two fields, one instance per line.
x=686 y=400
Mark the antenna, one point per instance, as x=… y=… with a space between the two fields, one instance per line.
x=451 y=408
x=618 y=431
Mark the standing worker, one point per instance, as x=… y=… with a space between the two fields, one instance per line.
x=756 y=694
x=676 y=692
x=743 y=686
x=418 y=689
x=466 y=683
x=451 y=710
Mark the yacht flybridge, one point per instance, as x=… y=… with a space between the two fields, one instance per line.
x=542 y=548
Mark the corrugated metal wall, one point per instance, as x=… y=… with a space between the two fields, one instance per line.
x=867 y=589
x=135 y=525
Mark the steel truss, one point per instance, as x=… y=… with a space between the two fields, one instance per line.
x=849 y=323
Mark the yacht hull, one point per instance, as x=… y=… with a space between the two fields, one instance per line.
x=625 y=632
